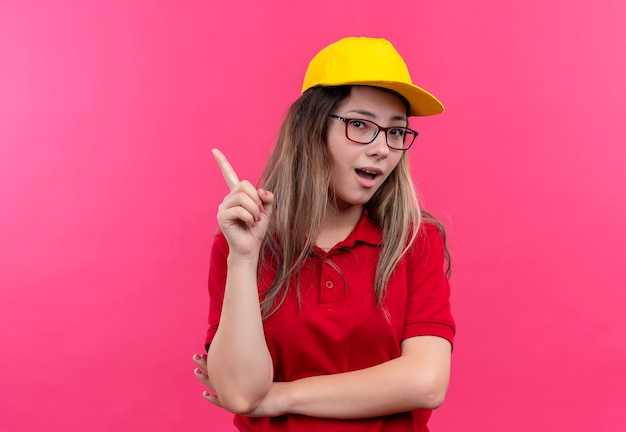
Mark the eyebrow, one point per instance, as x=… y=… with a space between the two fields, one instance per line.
x=370 y=114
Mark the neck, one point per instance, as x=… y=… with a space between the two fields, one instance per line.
x=337 y=226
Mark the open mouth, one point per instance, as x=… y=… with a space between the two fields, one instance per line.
x=371 y=175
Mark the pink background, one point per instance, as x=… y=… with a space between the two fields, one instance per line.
x=108 y=197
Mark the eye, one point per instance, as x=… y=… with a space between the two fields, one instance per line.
x=357 y=124
x=397 y=132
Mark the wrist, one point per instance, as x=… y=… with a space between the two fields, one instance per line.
x=247 y=259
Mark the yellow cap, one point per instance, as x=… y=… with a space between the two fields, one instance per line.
x=372 y=62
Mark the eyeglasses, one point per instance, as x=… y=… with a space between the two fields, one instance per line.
x=365 y=131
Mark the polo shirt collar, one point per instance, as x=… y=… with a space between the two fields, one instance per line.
x=366 y=231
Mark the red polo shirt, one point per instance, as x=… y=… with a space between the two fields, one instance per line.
x=338 y=327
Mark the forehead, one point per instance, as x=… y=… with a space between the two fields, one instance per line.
x=380 y=103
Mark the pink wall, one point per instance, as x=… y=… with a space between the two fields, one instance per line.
x=108 y=196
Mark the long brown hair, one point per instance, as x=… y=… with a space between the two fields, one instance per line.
x=299 y=174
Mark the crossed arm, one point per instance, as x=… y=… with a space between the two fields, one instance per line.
x=417 y=379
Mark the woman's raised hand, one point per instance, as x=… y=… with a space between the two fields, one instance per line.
x=244 y=213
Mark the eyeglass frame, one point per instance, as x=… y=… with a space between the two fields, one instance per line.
x=346 y=120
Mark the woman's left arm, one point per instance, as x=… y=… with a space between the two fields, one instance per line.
x=417 y=379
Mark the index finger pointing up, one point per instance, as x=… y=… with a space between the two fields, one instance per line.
x=227 y=170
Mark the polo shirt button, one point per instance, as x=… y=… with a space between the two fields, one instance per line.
x=329 y=284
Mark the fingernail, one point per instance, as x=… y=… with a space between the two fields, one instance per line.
x=264 y=192
x=196 y=357
x=197 y=371
x=262 y=208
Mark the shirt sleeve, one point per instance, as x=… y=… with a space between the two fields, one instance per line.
x=217 y=284
x=428 y=297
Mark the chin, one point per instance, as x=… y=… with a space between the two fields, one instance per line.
x=343 y=203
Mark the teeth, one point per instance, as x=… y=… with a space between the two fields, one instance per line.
x=369 y=172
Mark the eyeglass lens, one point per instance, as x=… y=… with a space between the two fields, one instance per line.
x=364 y=131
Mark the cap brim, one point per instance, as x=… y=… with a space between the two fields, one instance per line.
x=421 y=102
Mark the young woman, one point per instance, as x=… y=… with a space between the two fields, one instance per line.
x=329 y=303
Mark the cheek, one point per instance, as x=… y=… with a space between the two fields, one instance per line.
x=343 y=153
x=394 y=160
x=335 y=137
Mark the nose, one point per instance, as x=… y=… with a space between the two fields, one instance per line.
x=379 y=147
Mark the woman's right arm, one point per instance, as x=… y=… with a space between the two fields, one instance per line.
x=239 y=363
